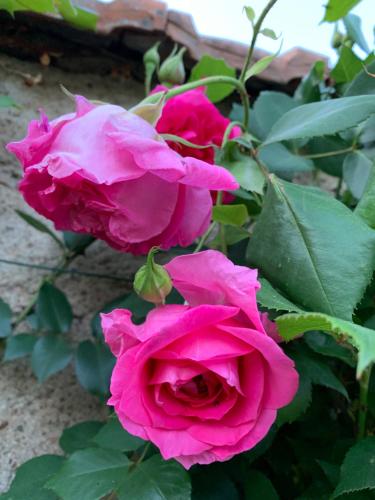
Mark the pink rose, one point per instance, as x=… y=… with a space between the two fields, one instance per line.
x=193 y=117
x=202 y=381
x=105 y=171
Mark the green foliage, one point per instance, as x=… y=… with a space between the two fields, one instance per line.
x=80 y=17
x=347 y=67
x=303 y=242
x=309 y=88
x=358 y=469
x=322 y=118
x=5 y=319
x=326 y=345
x=156 y=478
x=210 y=66
x=262 y=64
x=114 y=437
x=257 y=485
x=50 y=355
x=31 y=477
x=271 y=299
x=365 y=207
x=336 y=9
x=89 y=474
x=363 y=83
x=53 y=310
x=356 y=172
x=363 y=339
x=353 y=25
x=19 y=346
x=79 y=436
x=234 y=215
x=77 y=242
x=93 y=365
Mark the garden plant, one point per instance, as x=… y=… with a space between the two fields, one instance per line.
x=239 y=367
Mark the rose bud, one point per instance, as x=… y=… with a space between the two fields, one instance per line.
x=172 y=70
x=152 y=282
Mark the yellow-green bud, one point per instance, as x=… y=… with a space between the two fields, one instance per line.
x=152 y=282
x=151 y=56
x=337 y=40
x=172 y=70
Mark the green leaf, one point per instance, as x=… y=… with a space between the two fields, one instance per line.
x=5 y=319
x=347 y=67
x=210 y=66
x=246 y=171
x=233 y=235
x=94 y=364
x=317 y=370
x=269 y=107
x=366 y=206
x=327 y=346
x=90 y=474
x=270 y=298
x=309 y=88
x=79 y=436
x=40 y=6
x=356 y=172
x=113 y=436
x=31 y=477
x=336 y=9
x=37 y=224
x=156 y=479
x=234 y=215
x=322 y=118
x=310 y=246
x=332 y=165
x=85 y=18
x=353 y=25
x=363 y=83
x=301 y=401
x=7 y=102
x=261 y=65
x=250 y=14
x=66 y=9
x=257 y=485
x=53 y=310
x=132 y=301
x=19 y=345
x=77 y=242
x=269 y=33
x=279 y=160
x=363 y=339
x=358 y=469
x=50 y=355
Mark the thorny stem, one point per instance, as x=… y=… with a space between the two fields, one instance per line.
x=228 y=131
x=362 y=411
x=256 y=30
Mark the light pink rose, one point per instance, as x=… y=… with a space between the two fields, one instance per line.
x=194 y=117
x=202 y=381
x=105 y=171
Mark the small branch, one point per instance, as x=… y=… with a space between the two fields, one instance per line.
x=329 y=153
x=204 y=238
x=257 y=27
x=228 y=131
x=362 y=411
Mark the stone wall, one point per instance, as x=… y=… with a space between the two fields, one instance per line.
x=32 y=416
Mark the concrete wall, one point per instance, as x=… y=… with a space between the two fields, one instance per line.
x=32 y=416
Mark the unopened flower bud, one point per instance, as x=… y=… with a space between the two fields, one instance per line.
x=151 y=57
x=172 y=70
x=337 y=40
x=152 y=282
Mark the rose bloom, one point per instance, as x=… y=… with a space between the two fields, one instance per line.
x=202 y=381
x=105 y=171
x=193 y=117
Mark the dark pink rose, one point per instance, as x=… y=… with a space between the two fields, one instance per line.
x=193 y=117
x=202 y=381
x=105 y=171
